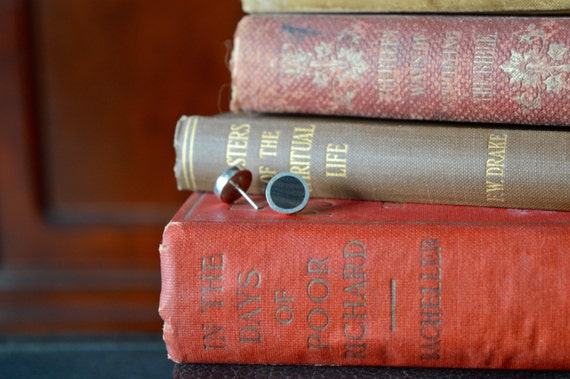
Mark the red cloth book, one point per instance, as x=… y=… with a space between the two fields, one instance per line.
x=456 y=68
x=366 y=283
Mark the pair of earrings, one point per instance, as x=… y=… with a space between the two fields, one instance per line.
x=286 y=192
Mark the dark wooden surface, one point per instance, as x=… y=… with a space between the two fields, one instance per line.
x=204 y=371
x=132 y=356
x=91 y=92
x=142 y=356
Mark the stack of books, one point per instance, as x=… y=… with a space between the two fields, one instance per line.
x=437 y=152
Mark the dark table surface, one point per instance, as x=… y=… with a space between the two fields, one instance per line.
x=85 y=357
x=144 y=356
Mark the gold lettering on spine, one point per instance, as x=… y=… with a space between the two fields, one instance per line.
x=483 y=64
x=213 y=337
x=236 y=148
x=268 y=145
x=284 y=314
x=335 y=160
x=300 y=153
x=249 y=307
x=318 y=290
x=431 y=304
x=188 y=153
x=212 y=288
x=393 y=307
x=387 y=65
x=449 y=63
x=418 y=65
x=495 y=167
x=266 y=173
x=212 y=277
x=354 y=302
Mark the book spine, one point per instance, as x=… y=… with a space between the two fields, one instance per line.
x=378 y=160
x=432 y=67
x=431 y=6
x=349 y=293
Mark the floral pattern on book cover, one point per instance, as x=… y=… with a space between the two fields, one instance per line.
x=538 y=68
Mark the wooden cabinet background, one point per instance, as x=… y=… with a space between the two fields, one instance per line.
x=90 y=94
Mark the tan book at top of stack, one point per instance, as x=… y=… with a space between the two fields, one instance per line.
x=399 y=6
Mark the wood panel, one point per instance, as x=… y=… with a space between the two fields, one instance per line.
x=91 y=94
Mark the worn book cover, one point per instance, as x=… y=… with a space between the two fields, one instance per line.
x=432 y=67
x=366 y=283
x=428 y=6
x=417 y=162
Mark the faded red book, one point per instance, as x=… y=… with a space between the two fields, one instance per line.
x=366 y=283
x=457 y=68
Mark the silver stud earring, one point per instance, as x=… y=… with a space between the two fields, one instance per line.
x=232 y=184
x=287 y=193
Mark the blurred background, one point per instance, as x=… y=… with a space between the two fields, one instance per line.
x=90 y=92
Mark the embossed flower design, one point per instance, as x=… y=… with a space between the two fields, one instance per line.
x=346 y=64
x=538 y=70
x=334 y=65
x=525 y=68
